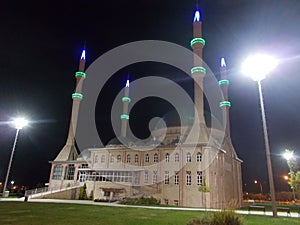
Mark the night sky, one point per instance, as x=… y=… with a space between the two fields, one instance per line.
x=41 y=43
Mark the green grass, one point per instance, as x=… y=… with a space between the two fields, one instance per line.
x=30 y=213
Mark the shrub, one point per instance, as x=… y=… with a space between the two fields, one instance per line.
x=218 y=218
x=140 y=201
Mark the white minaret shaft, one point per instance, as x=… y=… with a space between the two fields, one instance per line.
x=225 y=104
x=198 y=71
x=125 y=117
x=69 y=151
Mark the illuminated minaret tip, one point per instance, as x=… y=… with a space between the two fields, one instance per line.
x=83 y=55
x=223 y=63
x=197 y=16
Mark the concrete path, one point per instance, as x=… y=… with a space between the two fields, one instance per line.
x=87 y=202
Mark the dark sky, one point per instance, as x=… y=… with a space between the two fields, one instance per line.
x=42 y=41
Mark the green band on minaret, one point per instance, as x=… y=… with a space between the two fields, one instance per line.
x=225 y=104
x=80 y=74
x=223 y=82
x=77 y=95
x=198 y=69
x=124 y=116
x=126 y=99
x=197 y=40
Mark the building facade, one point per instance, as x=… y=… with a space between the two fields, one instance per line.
x=175 y=172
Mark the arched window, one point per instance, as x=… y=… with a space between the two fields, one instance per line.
x=176 y=157
x=199 y=157
x=188 y=157
x=128 y=158
x=112 y=158
x=136 y=158
x=102 y=158
x=96 y=159
x=147 y=158
x=57 y=172
x=155 y=158
x=119 y=158
x=146 y=177
x=167 y=158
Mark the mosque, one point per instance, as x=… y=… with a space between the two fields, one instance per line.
x=175 y=171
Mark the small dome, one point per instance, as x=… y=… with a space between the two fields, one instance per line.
x=117 y=141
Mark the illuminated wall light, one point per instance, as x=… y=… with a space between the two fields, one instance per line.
x=83 y=55
x=77 y=95
x=124 y=116
x=126 y=99
x=223 y=63
x=80 y=74
x=223 y=82
x=199 y=69
x=127 y=83
x=197 y=40
x=225 y=103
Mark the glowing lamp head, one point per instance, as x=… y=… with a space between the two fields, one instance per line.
x=258 y=66
x=223 y=63
x=19 y=123
x=82 y=55
x=288 y=155
x=197 y=16
x=127 y=83
x=255 y=182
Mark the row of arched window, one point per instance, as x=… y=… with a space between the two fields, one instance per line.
x=147 y=158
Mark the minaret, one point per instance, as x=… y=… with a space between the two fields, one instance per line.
x=125 y=117
x=69 y=151
x=225 y=104
x=198 y=71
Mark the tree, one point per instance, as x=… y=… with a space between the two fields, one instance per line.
x=294 y=180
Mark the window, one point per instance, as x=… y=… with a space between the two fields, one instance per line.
x=176 y=157
x=146 y=177
x=167 y=179
x=188 y=157
x=154 y=177
x=112 y=159
x=199 y=157
x=166 y=201
x=167 y=158
x=176 y=178
x=155 y=159
x=57 y=172
x=147 y=158
x=85 y=165
x=102 y=158
x=136 y=158
x=128 y=158
x=176 y=202
x=188 y=178
x=199 y=177
x=70 y=170
x=118 y=158
x=96 y=159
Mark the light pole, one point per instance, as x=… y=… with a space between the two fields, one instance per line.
x=18 y=123
x=257 y=67
x=291 y=161
x=260 y=185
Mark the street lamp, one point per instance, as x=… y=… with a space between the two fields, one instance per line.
x=18 y=123
x=291 y=161
x=257 y=67
x=260 y=185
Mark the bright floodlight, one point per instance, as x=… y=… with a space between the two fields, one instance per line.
x=258 y=66
x=288 y=155
x=19 y=123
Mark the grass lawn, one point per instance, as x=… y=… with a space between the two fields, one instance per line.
x=30 y=213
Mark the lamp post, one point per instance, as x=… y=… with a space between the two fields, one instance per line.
x=291 y=161
x=260 y=186
x=18 y=123
x=257 y=67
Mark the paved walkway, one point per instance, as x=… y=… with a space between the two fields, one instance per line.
x=87 y=202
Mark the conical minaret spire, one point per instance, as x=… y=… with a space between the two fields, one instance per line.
x=69 y=151
x=225 y=103
x=125 y=117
